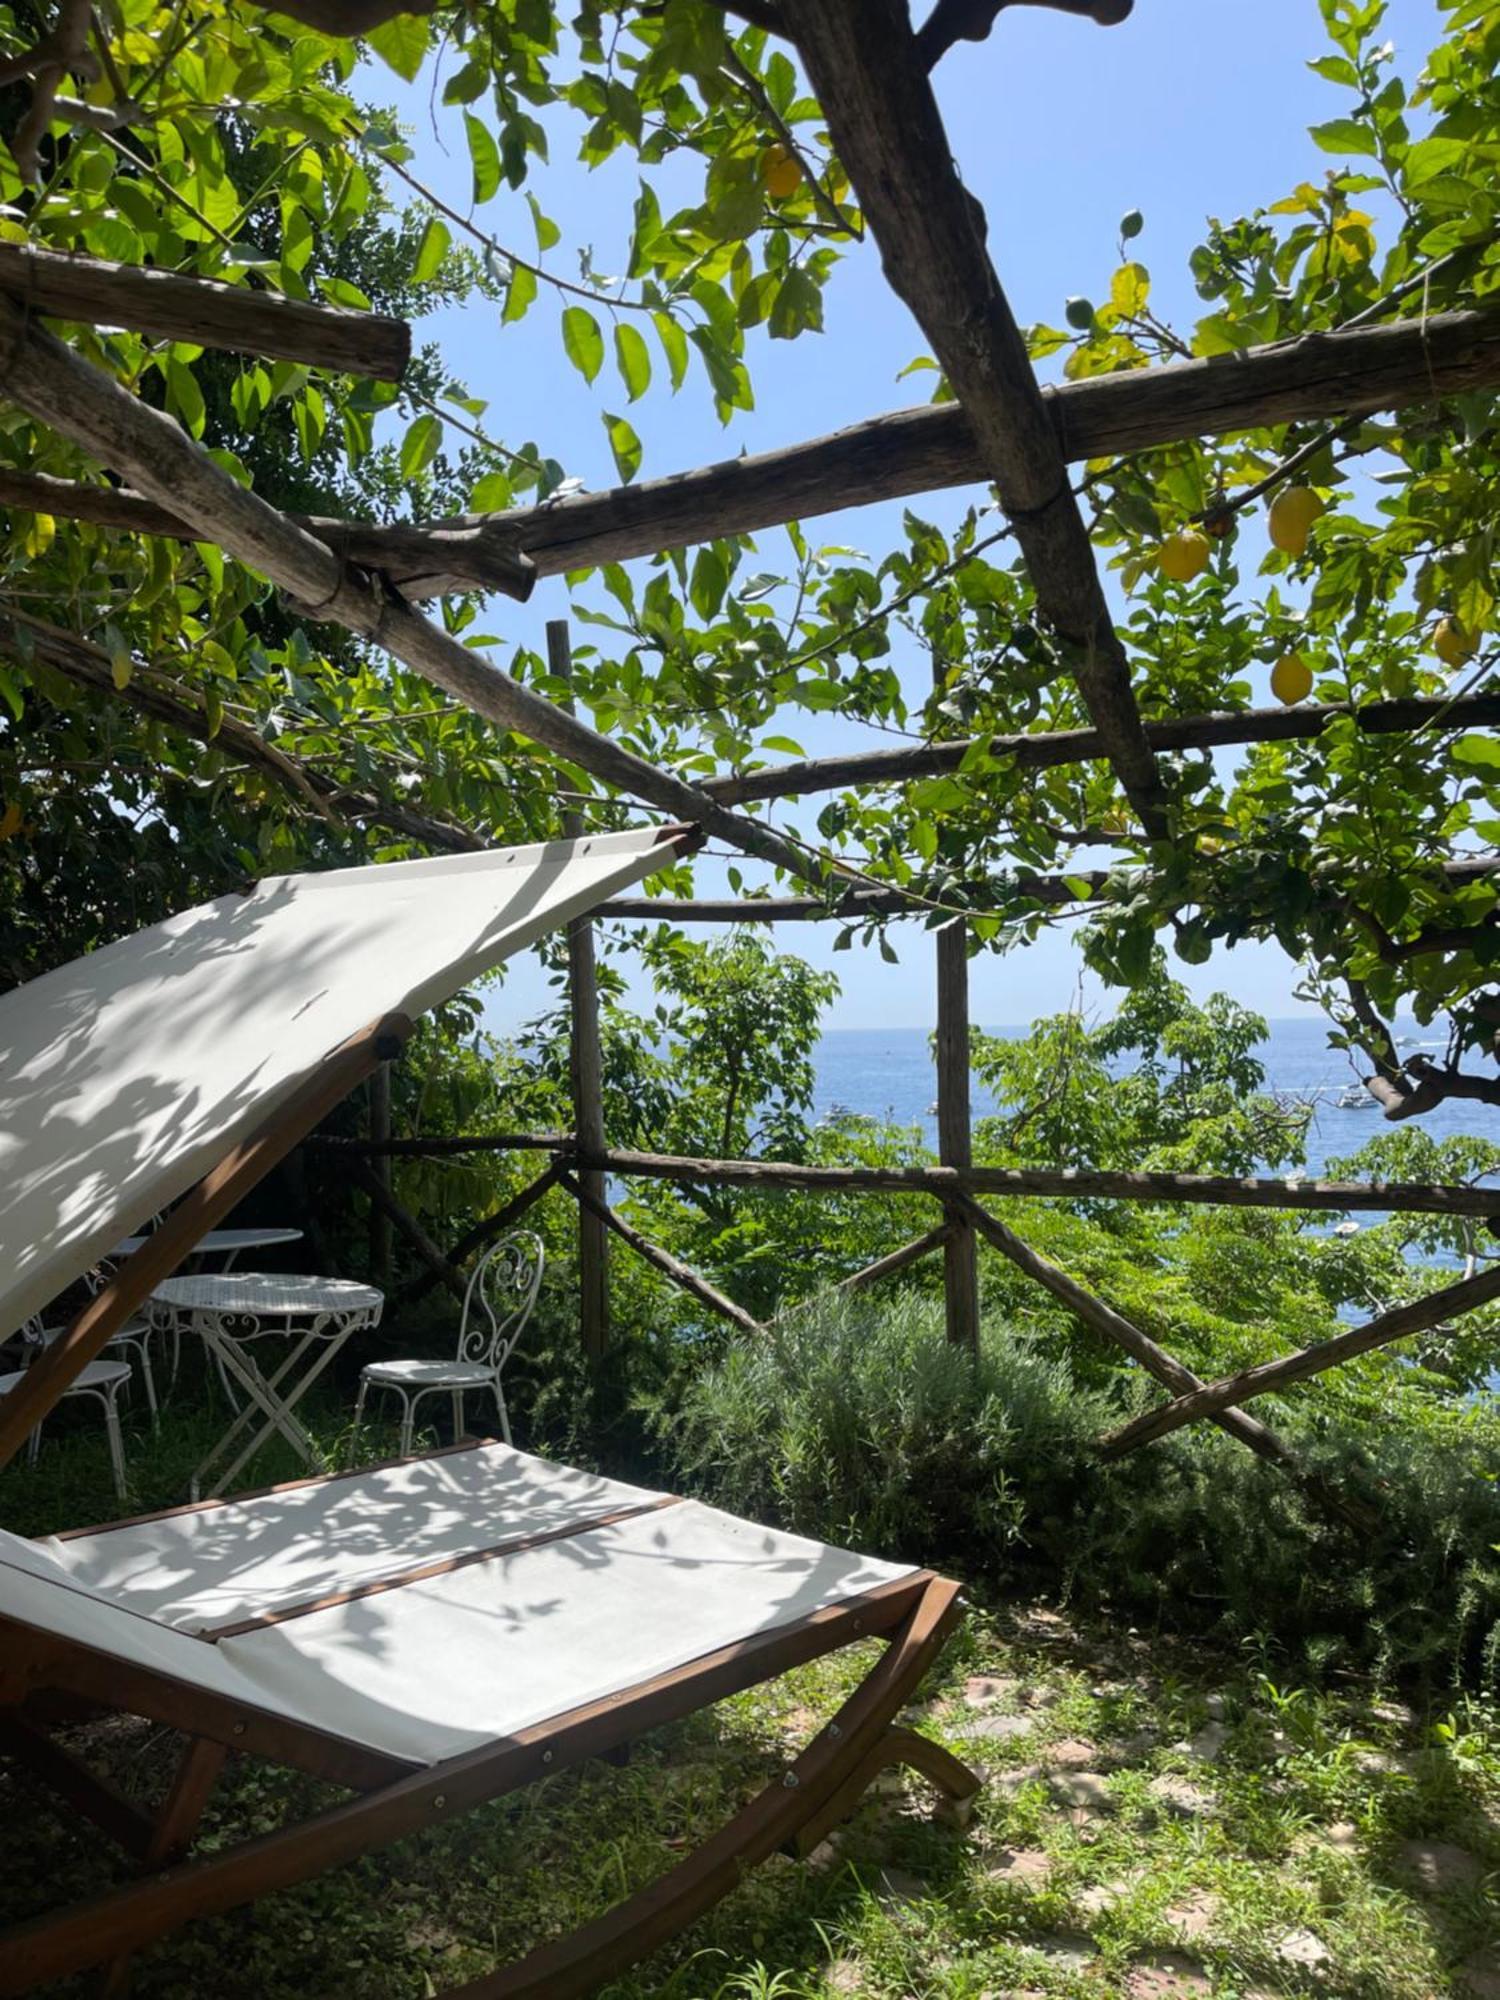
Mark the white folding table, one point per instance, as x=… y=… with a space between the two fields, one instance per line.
x=225 y=1243
x=231 y=1310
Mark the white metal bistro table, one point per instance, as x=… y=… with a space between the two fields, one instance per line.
x=225 y=1243
x=232 y=1309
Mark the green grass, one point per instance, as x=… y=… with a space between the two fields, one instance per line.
x=1299 y=1828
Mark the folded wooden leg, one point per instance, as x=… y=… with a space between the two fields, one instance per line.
x=954 y=1780
x=126 y=1823
x=578 y=1964
x=182 y=1808
x=171 y=1834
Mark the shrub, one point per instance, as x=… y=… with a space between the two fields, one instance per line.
x=858 y=1423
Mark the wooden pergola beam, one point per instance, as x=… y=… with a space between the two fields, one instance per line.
x=864 y=65
x=682 y=1275
x=1050 y=749
x=173 y=306
x=1154 y=1358
x=59 y=388
x=1046 y=1183
x=906 y=452
x=1060 y=1183
x=1078 y=888
x=1433 y=1310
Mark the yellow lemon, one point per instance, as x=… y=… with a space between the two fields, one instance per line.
x=780 y=173
x=1453 y=643
x=1293 y=512
x=10 y=821
x=1291 y=679
x=1184 y=555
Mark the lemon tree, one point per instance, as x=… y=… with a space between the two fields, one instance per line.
x=210 y=733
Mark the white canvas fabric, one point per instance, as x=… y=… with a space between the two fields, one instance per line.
x=217 y=1565
x=39 y=1593
x=429 y=1669
x=126 y=1075
x=439 y=1667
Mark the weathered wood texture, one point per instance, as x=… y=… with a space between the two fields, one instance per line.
x=585 y=1072
x=682 y=1275
x=93 y=1796
x=907 y=452
x=1103 y=1319
x=385 y=1203
x=1046 y=750
x=380 y=1219
x=1073 y=890
x=175 y=307
x=862 y=60
x=485 y=1231
x=955 y=1136
x=582 y=1963
x=1066 y=1183
x=893 y=1262
x=60 y=388
x=1047 y=1183
x=448 y=559
x=441 y=1143
x=1207 y=1401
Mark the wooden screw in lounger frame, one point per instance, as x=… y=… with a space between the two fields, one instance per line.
x=215 y=1195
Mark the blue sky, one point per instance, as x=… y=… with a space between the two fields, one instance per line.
x=1192 y=108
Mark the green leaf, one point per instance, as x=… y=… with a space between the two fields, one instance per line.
x=1336 y=69
x=484 y=156
x=431 y=251
x=583 y=342
x=519 y=294
x=401 y=42
x=121 y=664
x=625 y=445
x=798 y=307
x=186 y=397
x=1478 y=752
x=492 y=494
x=673 y=345
x=1129 y=289
x=469 y=84
x=1345 y=135
x=633 y=358
x=420 y=445
x=547 y=232
x=709 y=581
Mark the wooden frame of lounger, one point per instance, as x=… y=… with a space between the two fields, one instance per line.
x=44 y=1679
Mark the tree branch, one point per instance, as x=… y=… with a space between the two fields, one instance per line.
x=862 y=60
x=971 y=21
x=62 y=51
x=59 y=388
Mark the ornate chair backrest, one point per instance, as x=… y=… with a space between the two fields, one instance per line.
x=499 y=1298
x=96 y=1279
x=21 y=1348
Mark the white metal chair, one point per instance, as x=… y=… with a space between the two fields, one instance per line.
x=132 y=1339
x=498 y=1301
x=101 y=1380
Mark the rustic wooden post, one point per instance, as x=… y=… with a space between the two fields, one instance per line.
x=585 y=1071
x=380 y=1132
x=955 y=1147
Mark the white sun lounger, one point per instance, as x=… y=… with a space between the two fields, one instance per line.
x=434 y=1633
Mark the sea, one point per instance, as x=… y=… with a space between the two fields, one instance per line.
x=888 y=1073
